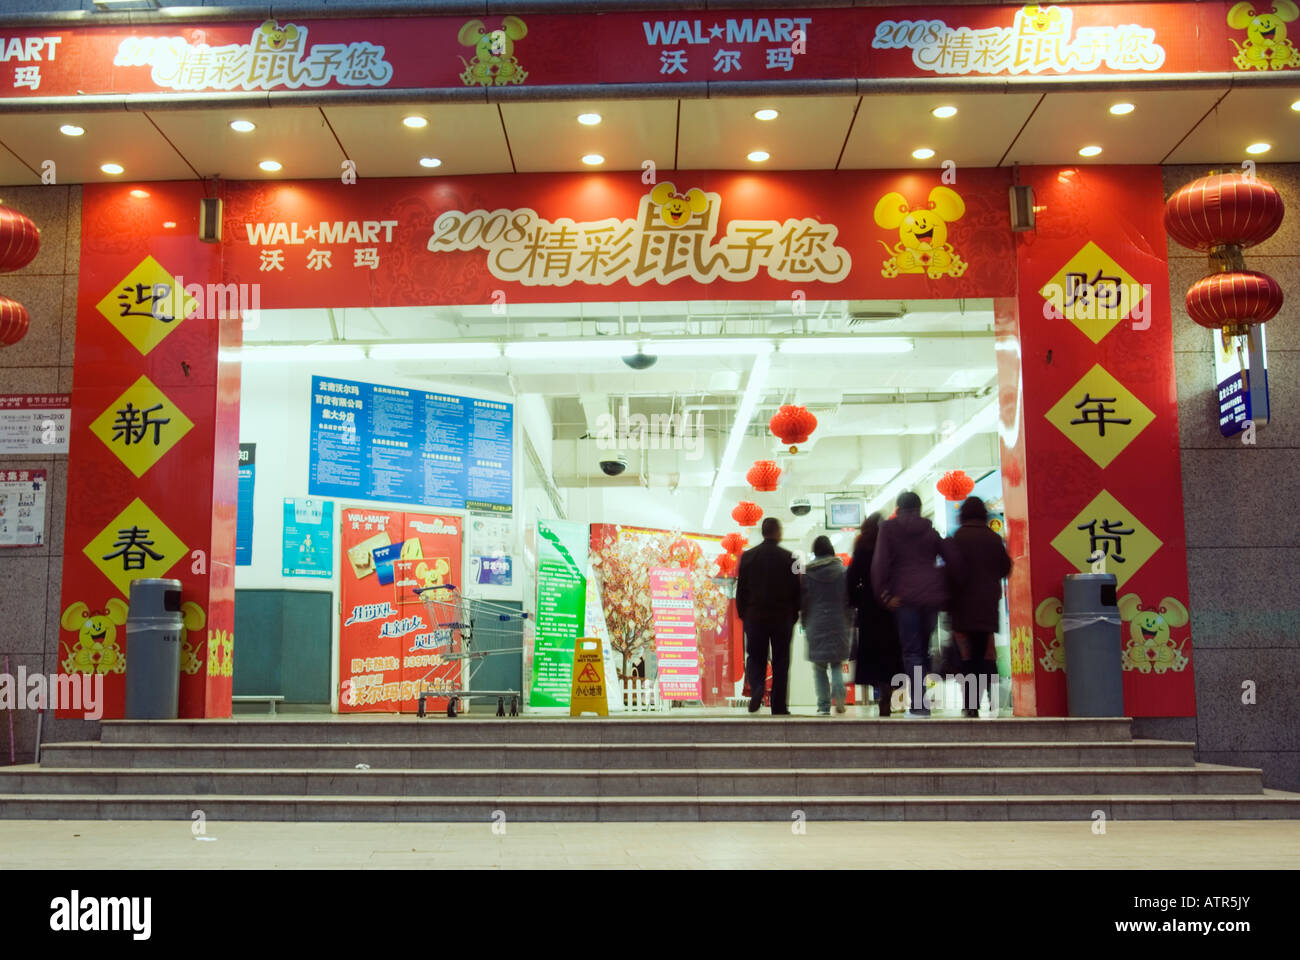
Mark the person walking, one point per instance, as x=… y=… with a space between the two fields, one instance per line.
x=825 y=613
x=979 y=564
x=908 y=577
x=878 y=660
x=767 y=602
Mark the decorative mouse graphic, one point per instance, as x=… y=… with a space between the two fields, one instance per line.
x=1042 y=19
x=1149 y=646
x=433 y=576
x=96 y=649
x=192 y=618
x=923 y=245
x=275 y=37
x=494 y=62
x=676 y=209
x=1266 y=46
x=1048 y=614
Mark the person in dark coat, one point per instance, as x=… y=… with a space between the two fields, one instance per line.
x=979 y=564
x=908 y=577
x=767 y=602
x=826 y=624
x=878 y=659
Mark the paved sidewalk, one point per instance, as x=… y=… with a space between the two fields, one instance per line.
x=1193 y=845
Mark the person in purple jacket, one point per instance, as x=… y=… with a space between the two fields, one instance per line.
x=907 y=573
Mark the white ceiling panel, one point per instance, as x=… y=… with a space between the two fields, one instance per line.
x=547 y=137
x=466 y=137
x=720 y=134
x=297 y=138
x=1065 y=122
x=889 y=127
x=14 y=171
x=125 y=138
x=1246 y=116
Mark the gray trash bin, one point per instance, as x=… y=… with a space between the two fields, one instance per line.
x=1093 y=650
x=153 y=650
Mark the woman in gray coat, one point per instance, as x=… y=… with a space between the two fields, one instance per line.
x=826 y=618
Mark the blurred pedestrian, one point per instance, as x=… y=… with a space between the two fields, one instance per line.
x=826 y=624
x=979 y=564
x=767 y=601
x=878 y=659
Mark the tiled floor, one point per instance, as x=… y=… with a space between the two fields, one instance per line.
x=173 y=845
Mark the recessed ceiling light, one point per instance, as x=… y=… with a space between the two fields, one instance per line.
x=766 y=114
x=1120 y=109
x=1296 y=106
x=243 y=126
x=589 y=119
x=923 y=153
x=270 y=166
x=113 y=168
x=593 y=159
x=1089 y=151
x=1259 y=148
x=430 y=162
x=141 y=194
x=943 y=113
x=169 y=224
x=71 y=130
x=758 y=156
x=415 y=121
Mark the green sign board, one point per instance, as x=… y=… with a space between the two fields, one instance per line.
x=561 y=609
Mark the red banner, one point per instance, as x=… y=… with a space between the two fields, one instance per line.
x=392 y=645
x=470 y=53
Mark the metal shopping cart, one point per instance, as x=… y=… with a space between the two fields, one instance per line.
x=462 y=622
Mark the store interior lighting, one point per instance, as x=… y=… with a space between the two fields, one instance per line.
x=744 y=414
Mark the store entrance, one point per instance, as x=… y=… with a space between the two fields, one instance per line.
x=468 y=446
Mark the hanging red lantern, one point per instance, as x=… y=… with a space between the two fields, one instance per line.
x=20 y=241
x=728 y=564
x=955 y=485
x=734 y=543
x=844 y=558
x=14 y=321
x=792 y=425
x=747 y=513
x=1224 y=210
x=1234 y=301
x=763 y=475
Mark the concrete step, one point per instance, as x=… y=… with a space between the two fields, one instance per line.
x=970 y=781
x=758 y=728
x=1088 y=809
x=606 y=756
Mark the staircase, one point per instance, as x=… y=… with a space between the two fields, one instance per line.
x=631 y=768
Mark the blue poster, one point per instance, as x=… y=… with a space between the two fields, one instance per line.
x=308 y=542
x=244 y=506
x=373 y=442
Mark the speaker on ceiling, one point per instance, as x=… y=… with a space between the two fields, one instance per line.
x=1022 y=208
x=210 y=219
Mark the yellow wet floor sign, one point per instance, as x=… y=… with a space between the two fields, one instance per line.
x=588 y=689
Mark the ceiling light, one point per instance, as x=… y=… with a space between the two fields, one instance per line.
x=139 y=194
x=316 y=352
x=1089 y=151
x=71 y=130
x=452 y=350
x=113 y=168
x=1296 y=106
x=835 y=345
x=766 y=114
x=739 y=427
x=415 y=122
x=943 y=113
x=758 y=156
x=693 y=347
x=589 y=119
x=923 y=153
x=589 y=349
x=430 y=162
x=270 y=166
x=1120 y=109
x=243 y=126
x=169 y=224
x=1259 y=148
x=593 y=159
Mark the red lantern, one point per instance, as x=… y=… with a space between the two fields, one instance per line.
x=844 y=558
x=747 y=513
x=19 y=240
x=792 y=425
x=1233 y=301
x=955 y=485
x=734 y=543
x=727 y=564
x=14 y=321
x=1224 y=209
x=763 y=475
x=684 y=553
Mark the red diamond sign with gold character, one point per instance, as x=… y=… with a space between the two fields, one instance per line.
x=141 y=425
x=1093 y=292
x=1100 y=415
x=146 y=305
x=1106 y=538
x=136 y=544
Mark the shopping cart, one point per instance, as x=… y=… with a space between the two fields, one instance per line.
x=461 y=622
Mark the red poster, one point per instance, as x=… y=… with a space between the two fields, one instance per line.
x=391 y=645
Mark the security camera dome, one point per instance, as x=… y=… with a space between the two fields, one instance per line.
x=640 y=361
x=800 y=506
x=612 y=468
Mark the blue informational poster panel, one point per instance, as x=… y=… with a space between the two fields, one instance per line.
x=373 y=442
x=244 y=505
x=308 y=542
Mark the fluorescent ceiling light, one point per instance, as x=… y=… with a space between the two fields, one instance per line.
x=453 y=350
x=71 y=130
x=832 y=345
x=766 y=114
x=430 y=162
x=270 y=166
x=1296 y=106
x=243 y=126
x=589 y=119
x=943 y=113
x=591 y=347
x=593 y=159
x=744 y=414
x=705 y=348
x=312 y=353
x=923 y=153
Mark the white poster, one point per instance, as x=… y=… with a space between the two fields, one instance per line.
x=22 y=508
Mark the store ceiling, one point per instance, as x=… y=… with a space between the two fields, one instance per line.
x=1202 y=125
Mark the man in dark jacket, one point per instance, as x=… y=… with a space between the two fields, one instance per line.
x=908 y=576
x=767 y=600
x=979 y=564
